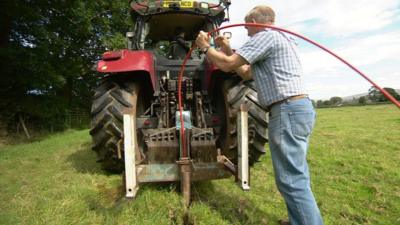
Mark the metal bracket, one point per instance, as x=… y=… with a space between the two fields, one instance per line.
x=227 y=163
x=243 y=147
x=129 y=152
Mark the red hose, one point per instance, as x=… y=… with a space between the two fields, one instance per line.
x=383 y=91
x=180 y=77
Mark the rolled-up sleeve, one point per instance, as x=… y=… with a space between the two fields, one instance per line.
x=257 y=47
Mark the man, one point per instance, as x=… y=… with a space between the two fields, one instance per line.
x=270 y=58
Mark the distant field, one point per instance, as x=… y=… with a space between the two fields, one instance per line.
x=354 y=159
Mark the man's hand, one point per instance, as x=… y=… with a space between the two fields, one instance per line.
x=202 y=40
x=222 y=42
x=226 y=62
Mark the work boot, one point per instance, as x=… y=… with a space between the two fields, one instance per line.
x=283 y=222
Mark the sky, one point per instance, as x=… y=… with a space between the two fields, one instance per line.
x=364 y=32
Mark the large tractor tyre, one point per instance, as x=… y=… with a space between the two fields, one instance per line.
x=112 y=98
x=237 y=92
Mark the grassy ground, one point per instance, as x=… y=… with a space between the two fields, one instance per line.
x=354 y=159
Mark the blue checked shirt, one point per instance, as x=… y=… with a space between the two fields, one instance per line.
x=275 y=66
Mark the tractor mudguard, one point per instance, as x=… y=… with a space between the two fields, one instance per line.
x=128 y=61
x=211 y=72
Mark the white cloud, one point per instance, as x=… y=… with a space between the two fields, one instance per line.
x=374 y=48
x=328 y=91
x=334 y=17
x=345 y=83
x=376 y=56
x=342 y=18
x=358 y=51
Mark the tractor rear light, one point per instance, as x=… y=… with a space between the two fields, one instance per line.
x=112 y=55
x=215 y=119
x=147 y=122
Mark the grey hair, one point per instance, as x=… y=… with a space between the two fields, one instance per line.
x=261 y=14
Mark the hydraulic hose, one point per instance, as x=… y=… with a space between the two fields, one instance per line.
x=180 y=77
x=383 y=91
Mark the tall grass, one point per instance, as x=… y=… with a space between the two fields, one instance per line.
x=354 y=159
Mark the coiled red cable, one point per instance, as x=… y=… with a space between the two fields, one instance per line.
x=183 y=142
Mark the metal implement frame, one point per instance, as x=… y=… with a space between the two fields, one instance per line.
x=130 y=160
x=243 y=147
x=185 y=169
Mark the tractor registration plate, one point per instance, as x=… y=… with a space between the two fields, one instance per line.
x=182 y=4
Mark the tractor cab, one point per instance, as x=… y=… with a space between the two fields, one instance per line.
x=168 y=28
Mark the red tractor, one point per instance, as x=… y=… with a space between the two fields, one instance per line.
x=142 y=81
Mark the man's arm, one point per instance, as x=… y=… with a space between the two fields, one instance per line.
x=226 y=62
x=229 y=63
x=243 y=71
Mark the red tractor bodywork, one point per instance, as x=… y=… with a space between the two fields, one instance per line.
x=143 y=61
x=128 y=61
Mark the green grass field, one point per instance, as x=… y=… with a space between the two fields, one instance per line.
x=354 y=159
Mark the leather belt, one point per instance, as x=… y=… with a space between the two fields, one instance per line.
x=291 y=98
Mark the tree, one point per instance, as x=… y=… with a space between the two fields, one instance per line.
x=319 y=103
x=375 y=95
x=336 y=100
x=327 y=103
x=48 y=49
x=362 y=100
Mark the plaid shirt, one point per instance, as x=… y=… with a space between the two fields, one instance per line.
x=275 y=66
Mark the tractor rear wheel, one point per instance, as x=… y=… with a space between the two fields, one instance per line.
x=237 y=92
x=112 y=98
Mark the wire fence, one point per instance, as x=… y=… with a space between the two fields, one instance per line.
x=77 y=119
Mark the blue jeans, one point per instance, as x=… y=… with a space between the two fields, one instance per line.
x=289 y=129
